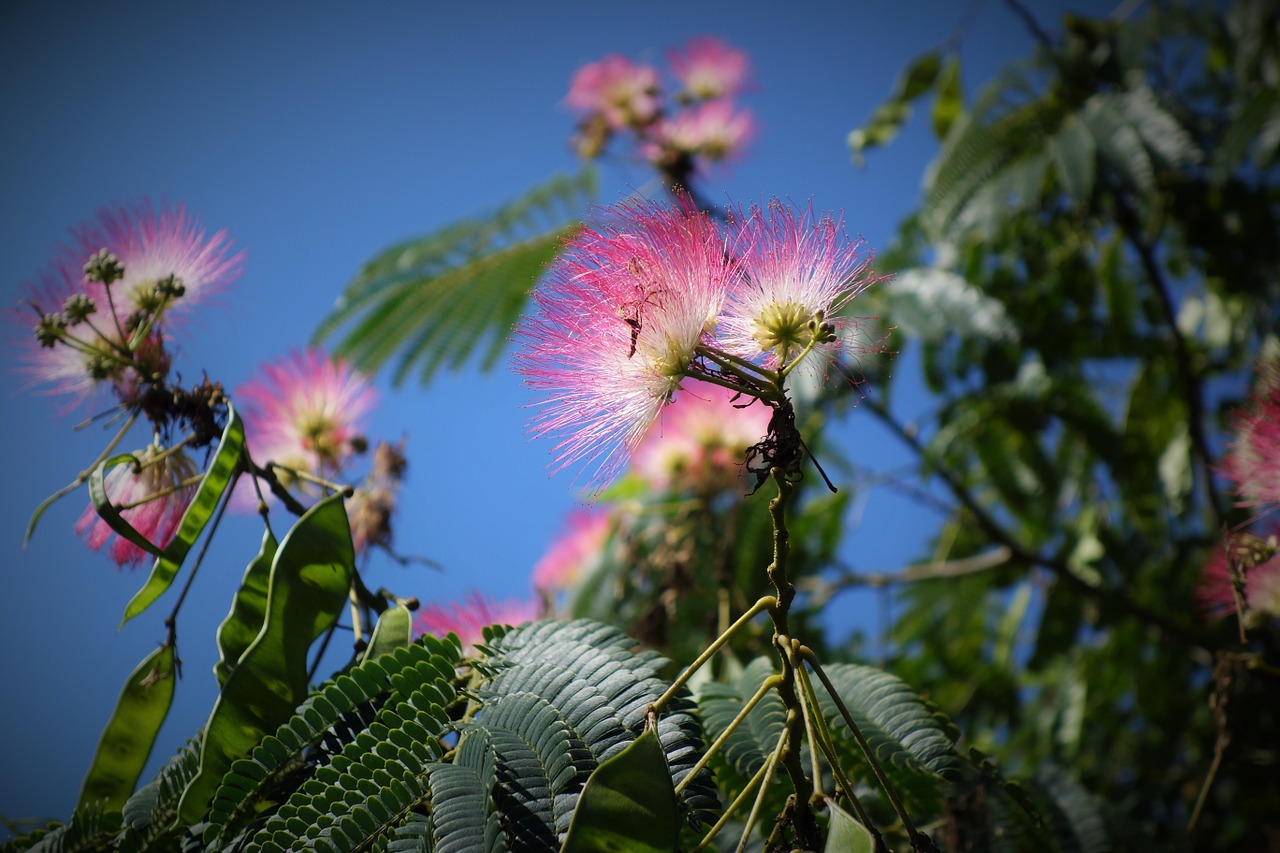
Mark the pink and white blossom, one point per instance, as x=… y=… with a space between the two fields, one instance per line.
x=716 y=130
x=1262 y=586
x=152 y=245
x=152 y=498
x=469 y=617
x=708 y=68
x=305 y=412
x=622 y=92
x=798 y=268
x=1253 y=460
x=700 y=441
x=574 y=550
x=618 y=318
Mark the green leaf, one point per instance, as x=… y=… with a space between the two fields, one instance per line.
x=919 y=76
x=309 y=582
x=248 y=611
x=949 y=102
x=1074 y=153
x=393 y=631
x=437 y=299
x=847 y=835
x=212 y=486
x=628 y=804
x=130 y=734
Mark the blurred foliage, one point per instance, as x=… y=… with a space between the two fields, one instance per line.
x=1111 y=206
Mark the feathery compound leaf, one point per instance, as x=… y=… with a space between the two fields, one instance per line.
x=338 y=711
x=149 y=813
x=131 y=732
x=436 y=299
x=754 y=740
x=900 y=729
x=309 y=581
x=601 y=691
x=91 y=828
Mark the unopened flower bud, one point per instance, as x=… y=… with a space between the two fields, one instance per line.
x=104 y=267
x=77 y=308
x=99 y=367
x=170 y=287
x=50 y=329
x=358 y=444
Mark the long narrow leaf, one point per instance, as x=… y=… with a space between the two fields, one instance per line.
x=248 y=611
x=221 y=471
x=130 y=734
x=309 y=583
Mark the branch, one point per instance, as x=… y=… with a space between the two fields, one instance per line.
x=1021 y=553
x=823 y=590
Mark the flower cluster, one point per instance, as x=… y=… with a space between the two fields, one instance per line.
x=111 y=295
x=468 y=618
x=651 y=295
x=698 y=123
x=303 y=416
x=106 y=307
x=1243 y=576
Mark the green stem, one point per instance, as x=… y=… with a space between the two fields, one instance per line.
x=765 y=603
x=769 y=684
x=733 y=808
x=919 y=841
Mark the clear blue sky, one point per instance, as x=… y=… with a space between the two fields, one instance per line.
x=316 y=134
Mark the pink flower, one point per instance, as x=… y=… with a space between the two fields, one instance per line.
x=714 y=130
x=700 y=441
x=623 y=93
x=1253 y=461
x=573 y=551
x=797 y=269
x=1261 y=567
x=618 y=317
x=468 y=618
x=152 y=245
x=305 y=413
x=94 y=331
x=152 y=498
x=709 y=68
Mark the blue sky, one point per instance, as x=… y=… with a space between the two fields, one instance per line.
x=316 y=134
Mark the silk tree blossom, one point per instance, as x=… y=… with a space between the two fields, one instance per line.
x=104 y=320
x=469 y=617
x=621 y=92
x=798 y=272
x=1260 y=564
x=618 y=318
x=1253 y=461
x=574 y=550
x=708 y=68
x=305 y=413
x=700 y=441
x=716 y=130
x=151 y=496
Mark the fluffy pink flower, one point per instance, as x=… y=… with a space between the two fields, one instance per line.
x=151 y=245
x=701 y=440
x=1253 y=462
x=797 y=268
x=709 y=68
x=618 y=317
x=1262 y=587
x=466 y=619
x=715 y=130
x=573 y=551
x=153 y=498
x=624 y=93
x=305 y=412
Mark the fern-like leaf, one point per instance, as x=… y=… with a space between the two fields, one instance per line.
x=438 y=299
